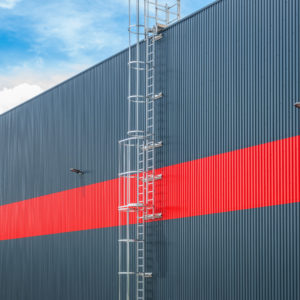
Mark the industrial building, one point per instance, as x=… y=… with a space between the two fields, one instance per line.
x=228 y=193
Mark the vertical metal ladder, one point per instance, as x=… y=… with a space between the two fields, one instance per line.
x=140 y=229
x=158 y=16
x=137 y=152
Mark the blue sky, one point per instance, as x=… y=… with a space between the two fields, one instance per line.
x=44 y=42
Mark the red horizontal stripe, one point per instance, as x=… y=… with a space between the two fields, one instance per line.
x=254 y=177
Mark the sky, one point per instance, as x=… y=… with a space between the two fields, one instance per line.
x=42 y=43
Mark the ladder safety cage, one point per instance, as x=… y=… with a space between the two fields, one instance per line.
x=136 y=172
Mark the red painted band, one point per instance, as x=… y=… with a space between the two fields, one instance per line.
x=258 y=176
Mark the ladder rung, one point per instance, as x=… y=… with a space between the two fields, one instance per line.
x=126 y=273
x=131 y=206
x=127 y=240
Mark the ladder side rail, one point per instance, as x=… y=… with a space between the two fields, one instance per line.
x=119 y=218
x=129 y=69
x=128 y=181
x=150 y=117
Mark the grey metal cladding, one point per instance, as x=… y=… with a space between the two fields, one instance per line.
x=229 y=74
x=243 y=255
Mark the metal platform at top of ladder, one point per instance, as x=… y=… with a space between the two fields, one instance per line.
x=147 y=20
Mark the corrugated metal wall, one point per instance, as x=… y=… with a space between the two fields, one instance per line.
x=230 y=75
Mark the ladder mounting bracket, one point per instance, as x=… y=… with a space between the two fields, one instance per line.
x=153 y=146
x=158 y=177
x=153 y=217
x=150 y=178
x=158 y=37
x=158 y=96
x=160 y=27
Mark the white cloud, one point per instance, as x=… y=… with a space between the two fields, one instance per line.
x=12 y=97
x=9 y=4
x=37 y=71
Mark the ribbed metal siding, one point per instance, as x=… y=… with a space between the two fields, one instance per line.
x=230 y=75
x=253 y=254
x=76 y=124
